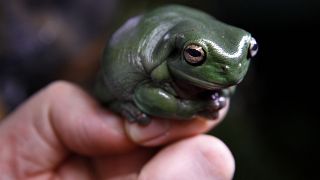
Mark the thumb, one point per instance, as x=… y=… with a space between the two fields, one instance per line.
x=57 y=121
x=82 y=125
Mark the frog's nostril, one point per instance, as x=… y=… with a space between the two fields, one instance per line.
x=225 y=68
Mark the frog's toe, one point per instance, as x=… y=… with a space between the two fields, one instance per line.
x=143 y=119
x=134 y=115
x=140 y=118
x=218 y=102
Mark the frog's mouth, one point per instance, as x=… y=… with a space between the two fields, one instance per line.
x=188 y=87
x=199 y=82
x=209 y=93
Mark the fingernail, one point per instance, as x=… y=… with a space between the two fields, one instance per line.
x=151 y=134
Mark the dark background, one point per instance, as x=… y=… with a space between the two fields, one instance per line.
x=272 y=124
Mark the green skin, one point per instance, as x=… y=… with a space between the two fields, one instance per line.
x=144 y=71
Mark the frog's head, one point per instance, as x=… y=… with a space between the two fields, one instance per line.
x=211 y=56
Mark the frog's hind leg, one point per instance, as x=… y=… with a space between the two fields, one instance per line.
x=129 y=111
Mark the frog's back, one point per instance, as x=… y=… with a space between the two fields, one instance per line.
x=178 y=11
x=131 y=53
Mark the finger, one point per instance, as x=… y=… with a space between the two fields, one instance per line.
x=124 y=166
x=75 y=167
x=162 y=131
x=82 y=125
x=58 y=120
x=199 y=157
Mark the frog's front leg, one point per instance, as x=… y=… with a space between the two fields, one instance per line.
x=154 y=100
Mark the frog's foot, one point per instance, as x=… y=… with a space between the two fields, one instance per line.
x=133 y=114
x=218 y=101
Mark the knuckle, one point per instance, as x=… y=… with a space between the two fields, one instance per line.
x=59 y=87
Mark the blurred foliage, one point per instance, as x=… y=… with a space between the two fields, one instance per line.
x=271 y=127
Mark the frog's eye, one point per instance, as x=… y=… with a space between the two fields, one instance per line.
x=253 y=48
x=194 y=54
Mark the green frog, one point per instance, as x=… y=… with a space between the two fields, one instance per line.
x=173 y=62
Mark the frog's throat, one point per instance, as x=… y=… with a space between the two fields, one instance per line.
x=200 y=83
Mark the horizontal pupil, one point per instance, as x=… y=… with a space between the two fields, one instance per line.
x=193 y=52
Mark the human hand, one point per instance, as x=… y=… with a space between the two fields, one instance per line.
x=62 y=133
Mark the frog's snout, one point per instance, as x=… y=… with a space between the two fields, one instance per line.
x=225 y=68
x=231 y=74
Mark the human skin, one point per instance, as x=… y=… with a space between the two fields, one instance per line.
x=63 y=133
